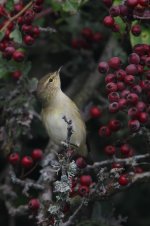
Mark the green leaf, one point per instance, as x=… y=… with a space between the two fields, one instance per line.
x=70 y=6
x=116 y=2
x=16 y=36
x=143 y=38
x=9 y=5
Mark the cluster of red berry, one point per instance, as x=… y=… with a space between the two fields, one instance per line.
x=81 y=186
x=20 y=17
x=128 y=89
x=26 y=161
x=125 y=12
x=88 y=37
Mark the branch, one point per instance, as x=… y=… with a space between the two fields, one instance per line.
x=127 y=161
x=16 y=16
x=94 y=79
x=113 y=187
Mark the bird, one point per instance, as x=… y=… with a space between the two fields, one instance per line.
x=55 y=106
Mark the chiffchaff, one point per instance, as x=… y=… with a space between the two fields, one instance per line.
x=56 y=105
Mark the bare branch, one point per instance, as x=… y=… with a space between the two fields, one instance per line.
x=127 y=161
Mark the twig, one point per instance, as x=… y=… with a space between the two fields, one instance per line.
x=11 y=19
x=72 y=217
x=69 y=129
x=47 y=29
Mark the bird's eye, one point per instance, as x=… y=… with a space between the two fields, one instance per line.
x=50 y=80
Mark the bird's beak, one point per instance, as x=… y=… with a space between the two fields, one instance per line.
x=59 y=69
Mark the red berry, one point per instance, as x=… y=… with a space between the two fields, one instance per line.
x=113 y=107
x=80 y=162
x=108 y=21
x=138 y=169
x=75 y=43
x=134 y=125
x=36 y=31
x=34 y=204
x=108 y=3
x=97 y=37
x=145 y=85
x=114 y=125
x=131 y=69
x=136 y=89
x=18 y=56
x=134 y=58
x=141 y=106
x=132 y=3
x=20 y=20
x=83 y=190
x=39 y=2
x=95 y=112
x=18 y=7
x=131 y=153
x=125 y=148
x=129 y=80
x=110 y=78
x=122 y=103
x=110 y=150
x=133 y=112
x=120 y=86
x=3 y=45
x=85 y=180
x=37 y=8
x=147 y=62
x=140 y=69
x=114 y=11
x=120 y=75
x=143 y=3
x=16 y=74
x=116 y=28
x=2 y=11
x=103 y=67
x=27 y=161
x=27 y=29
x=115 y=63
x=37 y=154
x=28 y=40
x=132 y=98
x=113 y=97
x=125 y=93
x=136 y=30
x=8 y=52
x=14 y=158
x=116 y=165
x=28 y=16
x=87 y=33
x=143 y=117
x=111 y=87
x=104 y=131
x=123 y=10
x=123 y=180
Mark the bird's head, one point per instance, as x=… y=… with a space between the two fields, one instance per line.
x=48 y=86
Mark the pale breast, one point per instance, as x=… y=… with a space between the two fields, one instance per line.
x=57 y=127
